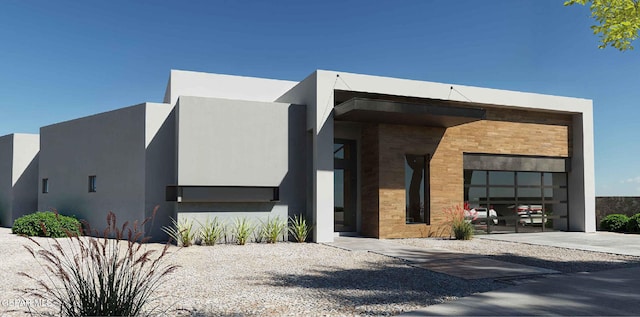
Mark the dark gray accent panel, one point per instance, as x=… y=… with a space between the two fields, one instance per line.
x=222 y=194
x=491 y=162
x=431 y=113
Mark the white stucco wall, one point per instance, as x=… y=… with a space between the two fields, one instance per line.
x=189 y=83
x=582 y=203
x=425 y=89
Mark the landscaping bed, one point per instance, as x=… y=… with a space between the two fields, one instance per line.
x=298 y=279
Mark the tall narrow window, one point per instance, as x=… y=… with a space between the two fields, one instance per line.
x=417 y=189
x=92 y=184
x=45 y=185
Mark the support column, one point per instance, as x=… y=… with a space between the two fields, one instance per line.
x=582 y=209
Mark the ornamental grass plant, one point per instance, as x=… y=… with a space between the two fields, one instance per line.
x=461 y=227
x=242 y=230
x=298 y=228
x=101 y=275
x=211 y=231
x=181 y=232
x=272 y=229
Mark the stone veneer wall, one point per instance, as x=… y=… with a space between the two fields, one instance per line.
x=515 y=132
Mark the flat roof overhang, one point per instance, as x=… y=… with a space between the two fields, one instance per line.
x=435 y=113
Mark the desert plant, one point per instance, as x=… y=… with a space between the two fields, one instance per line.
x=99 y=276
x=633 y=225
x=272 y=229
x=242 y=230
x=461 y=227
x=181 y=232
x=46 y=224
x=211 y=231
x=298 y=228
x=463 y=231
x=614 y=223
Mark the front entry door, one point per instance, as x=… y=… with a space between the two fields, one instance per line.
x=344 y=185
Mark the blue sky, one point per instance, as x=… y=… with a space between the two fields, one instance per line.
x=61 y=60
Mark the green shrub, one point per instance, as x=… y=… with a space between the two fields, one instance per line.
x=298 y=228
x=633 y=225
x=98 y=276
x=614 y=223
x=46 y=224
x=211 y=231
x=181 y=232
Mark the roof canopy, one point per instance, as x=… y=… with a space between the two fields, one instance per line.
x=431 y=112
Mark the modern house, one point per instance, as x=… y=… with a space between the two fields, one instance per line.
x=377 y=156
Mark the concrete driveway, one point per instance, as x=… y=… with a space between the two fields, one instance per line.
x=608 y=242
x=604 y=293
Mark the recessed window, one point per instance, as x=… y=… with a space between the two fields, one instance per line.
x=45 y=185
x=416 y=174
x=92 y=184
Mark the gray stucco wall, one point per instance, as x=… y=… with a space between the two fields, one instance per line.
x=305 y=93
x=241 y=143
x=18 y=176
x=6 y=192
x=160 y=166
x=110 y=146
x=26 y=149
x=231 y=142
x=25 y=191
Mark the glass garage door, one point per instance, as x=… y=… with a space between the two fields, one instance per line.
x=513 y=201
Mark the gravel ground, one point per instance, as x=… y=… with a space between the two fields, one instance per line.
x=559 y=259
x=283 y=279
x=290 y=279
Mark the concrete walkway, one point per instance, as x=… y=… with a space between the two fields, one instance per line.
x=604 y=293
x=608 y=242
x=449 y=262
